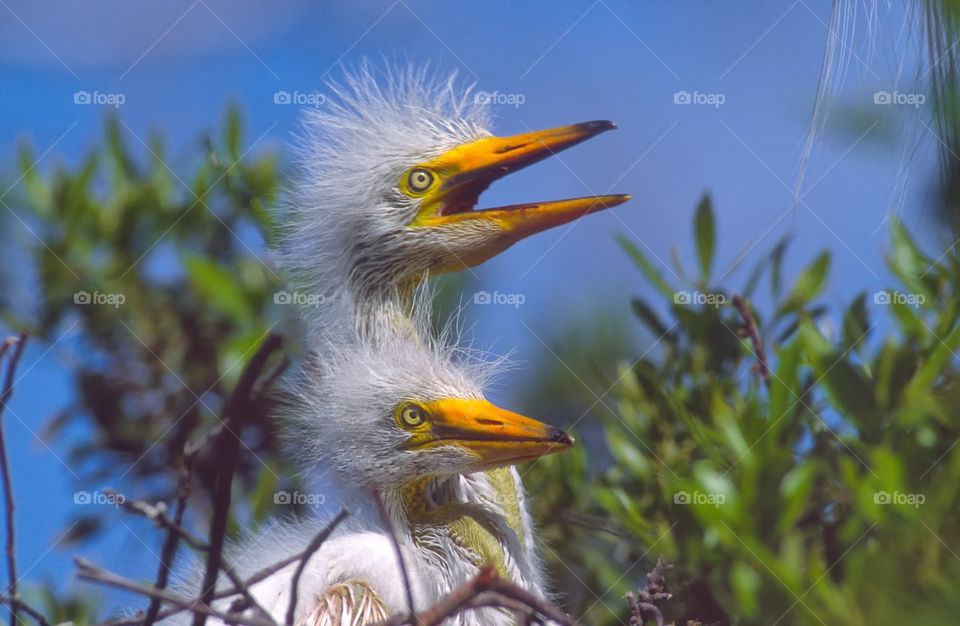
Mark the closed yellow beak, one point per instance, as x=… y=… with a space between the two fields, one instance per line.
x=497 y=437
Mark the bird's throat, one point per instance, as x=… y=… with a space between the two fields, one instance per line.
x=479 y=523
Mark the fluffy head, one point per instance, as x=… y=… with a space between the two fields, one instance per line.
x=347 y=217
x=392 y=165
x=348 y=396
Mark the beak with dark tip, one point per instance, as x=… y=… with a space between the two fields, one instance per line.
x=467 y=170
x=497 y=437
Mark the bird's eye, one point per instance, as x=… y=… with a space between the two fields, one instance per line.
x=419 y=179
x=412 y=415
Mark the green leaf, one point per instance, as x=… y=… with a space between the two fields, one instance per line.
x=935 y=364
x=649 y=271
x=811 y=280
x=776 y=265
x=850 y=389
x=856 y=322
x=906 y=260
x=219 y=288
x=705 y=231
x=785 y=385
x=649 y=317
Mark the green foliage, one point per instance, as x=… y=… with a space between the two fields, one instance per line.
x=768 y=496
x=827 y=495
x=156 y=273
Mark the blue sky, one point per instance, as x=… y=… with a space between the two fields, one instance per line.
x=177 y=64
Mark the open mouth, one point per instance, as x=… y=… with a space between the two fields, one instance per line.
x=473 y=167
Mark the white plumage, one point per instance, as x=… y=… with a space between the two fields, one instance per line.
x=392 y=166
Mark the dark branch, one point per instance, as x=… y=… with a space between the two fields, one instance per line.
x=397 y=551
x=172 y=539
x=652 y=592
x=89 y=571
x=485 y=590
x=312 y=547
x=26 y=608
x=750 y=328
x=5 y=396
x=227 y=446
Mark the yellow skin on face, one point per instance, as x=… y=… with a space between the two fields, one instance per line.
x=494 y=436
x=498 y=439
x=449 y=185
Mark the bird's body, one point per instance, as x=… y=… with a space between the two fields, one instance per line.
x=393 y=167
x=401 y=414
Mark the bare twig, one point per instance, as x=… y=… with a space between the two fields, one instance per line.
x=227 y=445
x=261 y=388
x=397 y=551
x=750 y=328
x=26 y=608
x=312 y=547
x=89 y=571
x=260 y=575
x=652 y=592
x=172 y=539
x=157 y=513
x=5 y=396
x=485 y=590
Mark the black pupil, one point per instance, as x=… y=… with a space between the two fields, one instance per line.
x=420 y=179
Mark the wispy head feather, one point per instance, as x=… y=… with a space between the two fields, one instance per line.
x=373 y=125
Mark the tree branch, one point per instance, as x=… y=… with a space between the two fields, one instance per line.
x=397 y=551
x=227 y=445
x=15 y=603
x=172 y=539
x=312 y=547
x=89 y=571
x=485 y=590
x=750 y=328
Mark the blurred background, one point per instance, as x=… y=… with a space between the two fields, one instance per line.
x=800 y=154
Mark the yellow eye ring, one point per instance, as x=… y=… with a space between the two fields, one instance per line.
x=420 y=179
x=412 y=415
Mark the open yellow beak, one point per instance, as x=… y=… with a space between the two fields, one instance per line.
x=497 y=437
x=467 y=170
